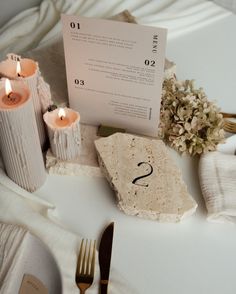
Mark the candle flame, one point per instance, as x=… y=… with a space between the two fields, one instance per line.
x=61 y=113
x=8 y=87
x=18 y=68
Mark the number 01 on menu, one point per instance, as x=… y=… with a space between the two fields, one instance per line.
x=114 y=72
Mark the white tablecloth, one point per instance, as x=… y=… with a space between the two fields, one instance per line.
x=191 y=257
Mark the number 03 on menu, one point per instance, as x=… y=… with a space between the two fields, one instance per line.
x=115 y=72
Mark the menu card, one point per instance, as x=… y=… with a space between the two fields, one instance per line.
x=114 y=72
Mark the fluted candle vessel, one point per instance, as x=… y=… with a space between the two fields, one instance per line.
x=64 y=133
x=19 y=140
x=27 y=70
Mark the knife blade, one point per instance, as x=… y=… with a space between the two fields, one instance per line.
x=104 y=257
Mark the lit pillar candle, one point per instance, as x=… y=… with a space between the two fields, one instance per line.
x=64 y=132
x=27 y=70
x=19 y=141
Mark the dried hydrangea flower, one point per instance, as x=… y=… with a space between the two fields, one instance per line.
x=189 y=122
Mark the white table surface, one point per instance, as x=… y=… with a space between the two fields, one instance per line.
x=191 y=257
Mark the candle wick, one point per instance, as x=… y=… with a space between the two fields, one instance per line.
x=10 y=97
x=61 y=117
x=18 y=74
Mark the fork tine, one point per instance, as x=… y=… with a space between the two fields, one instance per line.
x=84 y=258
x=88 y=258
x=93 y=258
x=78 y=270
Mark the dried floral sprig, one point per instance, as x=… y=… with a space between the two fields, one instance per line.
x=189 y=122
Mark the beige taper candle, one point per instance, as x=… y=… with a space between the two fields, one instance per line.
x=64 y=132
x=19 y=140
x=28 y=71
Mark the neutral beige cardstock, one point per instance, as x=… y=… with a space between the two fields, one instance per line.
x=114 y=72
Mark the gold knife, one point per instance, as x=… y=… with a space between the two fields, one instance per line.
x=104 y=256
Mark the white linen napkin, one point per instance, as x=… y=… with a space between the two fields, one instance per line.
x=217 y=174
x=11 y=238
x=17 y=206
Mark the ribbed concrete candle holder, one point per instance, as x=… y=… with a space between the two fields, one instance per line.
x=19 y=140
x=40 y=91
x=64 y=134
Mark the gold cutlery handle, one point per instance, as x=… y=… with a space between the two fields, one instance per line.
x=228 y=115
x=103 y=287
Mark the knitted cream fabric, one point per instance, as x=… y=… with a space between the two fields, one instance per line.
x=217 y=174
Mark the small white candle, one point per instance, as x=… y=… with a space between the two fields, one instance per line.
x=27 y=70
x=64 y=132
x=19 y=141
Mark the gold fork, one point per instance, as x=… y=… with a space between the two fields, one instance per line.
x=85 y=265
x=229 y=126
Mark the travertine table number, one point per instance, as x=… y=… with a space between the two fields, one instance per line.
x=27 y=70
x=63 y=125
x=144 y=177
x=19 y=140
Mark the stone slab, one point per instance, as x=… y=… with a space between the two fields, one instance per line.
x=144 y=177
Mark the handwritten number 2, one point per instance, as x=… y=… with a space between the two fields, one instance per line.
x=144 y=176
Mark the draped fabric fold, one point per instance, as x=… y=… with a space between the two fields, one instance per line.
x=38 y=25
